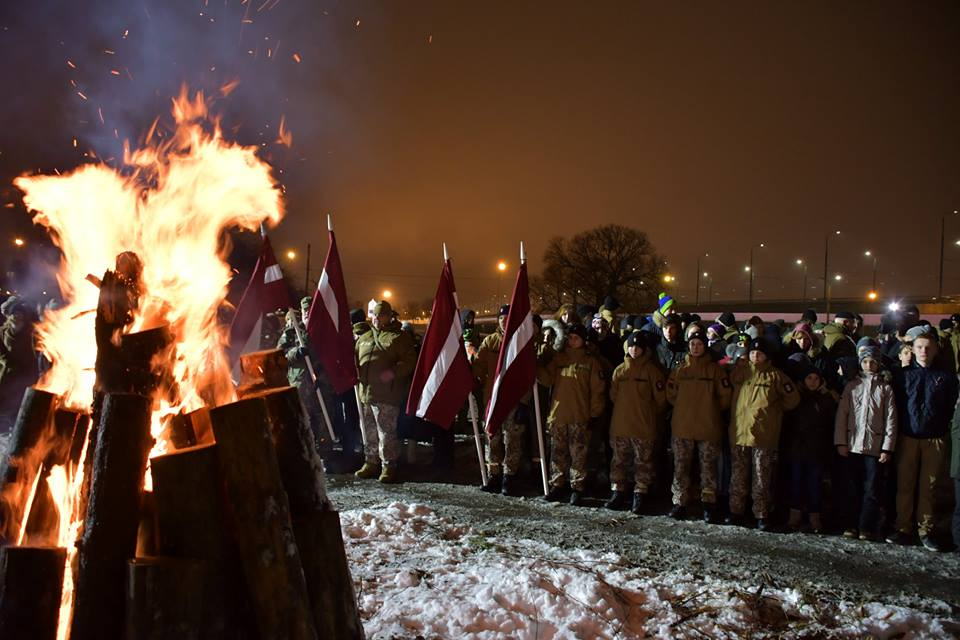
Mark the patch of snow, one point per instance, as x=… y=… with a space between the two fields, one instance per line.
x=417 y=574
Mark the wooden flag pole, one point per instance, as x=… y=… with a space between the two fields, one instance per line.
x=471 y=401
x=536 y=406
x=313 y=379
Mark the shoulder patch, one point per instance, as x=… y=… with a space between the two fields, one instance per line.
x=788 y=387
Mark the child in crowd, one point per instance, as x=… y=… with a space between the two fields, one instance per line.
x=866 y=434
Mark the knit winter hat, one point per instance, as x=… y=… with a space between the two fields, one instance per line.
x=717 y=328
x=845 y=315
x=805 y=329
x=664 y=303
x=697 y=335
x=504 y=310
x=946 y=324
x=638 y=339
x=915 y=332
x=611 y=303
x=577 y=329
x=759 y=344
x=727 y=319
x=873 y=353
x=356 y=316
x=866 y=341
x=809 y=316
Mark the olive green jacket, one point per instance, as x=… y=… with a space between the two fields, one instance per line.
x=762 y=393
x=699 y=391
x=638 y=391
x=577 y=381
x=384 y=350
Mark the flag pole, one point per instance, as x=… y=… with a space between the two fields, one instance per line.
x=536 y=406
x=470 y=399
x=313 y=379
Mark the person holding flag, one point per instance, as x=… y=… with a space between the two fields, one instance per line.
x=576 y=376
x=385 y=359
x=505 y=445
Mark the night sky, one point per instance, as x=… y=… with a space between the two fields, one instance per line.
x=712 y=127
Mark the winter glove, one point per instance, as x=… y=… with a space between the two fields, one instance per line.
x=302 y=352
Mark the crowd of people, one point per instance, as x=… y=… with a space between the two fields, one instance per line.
x=759 y=415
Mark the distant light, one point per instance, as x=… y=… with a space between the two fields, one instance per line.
x=761 y=245
x=838 y=277
x=894 y=306
x=872 y=295
x=291 y=254
x=18 y=241
x=867 y=253
x=668 y=278
x=799 y=261
x=501 y=266
x=705 y=274
x=387 y=294
x=746 y=268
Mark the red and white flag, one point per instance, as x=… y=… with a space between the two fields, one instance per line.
x=442 y=379
x=265 y=292
x=328 y=323
x=517 y=363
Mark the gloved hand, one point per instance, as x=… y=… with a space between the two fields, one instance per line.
x=302 y=352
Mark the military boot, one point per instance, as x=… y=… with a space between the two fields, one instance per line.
x=617 y=501
x=794 y=520
x=389 y=474
x=510 y=487
x=816 y=524
x=678 y=512
x=637 y=507
x=556 y=494
x=368 y=470
x=493 y=485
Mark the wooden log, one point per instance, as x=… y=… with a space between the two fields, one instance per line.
x=301 y=468
x=191 y=523
x=261 y=370
x=31 y=579
x=112 y=517
x=260 y=516
x=332 y=598
x=25 y=454
x=164 y=599
x=191 y=429
x=43 y=519
x=79 y=438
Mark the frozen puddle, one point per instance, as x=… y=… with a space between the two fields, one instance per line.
x=417 y=574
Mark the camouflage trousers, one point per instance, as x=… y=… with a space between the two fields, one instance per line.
x=627 y=452
x=568 y=445
x=505 y=448
x=682 y=468
x=380 y=432
x=762 y=462
x=308 y=396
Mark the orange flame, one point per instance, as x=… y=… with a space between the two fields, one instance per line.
x=284 y=136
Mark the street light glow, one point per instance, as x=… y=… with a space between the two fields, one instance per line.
x=18 y=241
x=668 y=278
x=799 y=261
x=747 y=268
x=291 y=254
x=838 y=277
x=387 y=294
x=501 y=266
x=872 y=295
x=867 y=253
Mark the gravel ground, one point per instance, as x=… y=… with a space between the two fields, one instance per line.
x=828 y=567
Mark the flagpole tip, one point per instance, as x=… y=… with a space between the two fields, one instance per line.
x=446 y=256
x=329 y=222
x=523 y=254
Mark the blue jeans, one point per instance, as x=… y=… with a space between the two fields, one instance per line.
x=866 y=479
x=806 y=486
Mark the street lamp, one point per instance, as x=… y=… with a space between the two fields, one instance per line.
x=291 y=254
x=756 y=246
x=706 y=255
x=387 y=294
x=803 y=292
x=943 y=229
x=826 y=261
x=501 y=268
x=19 y=242
x=870 y=254
x=829 y=290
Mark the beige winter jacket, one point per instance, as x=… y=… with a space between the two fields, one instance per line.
x=867 y=416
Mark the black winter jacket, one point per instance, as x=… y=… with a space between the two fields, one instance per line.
x=926 y=399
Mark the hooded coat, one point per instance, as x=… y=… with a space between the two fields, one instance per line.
x=867 y=416
x=762 y=393
x=576 y=376
x=808 y=431
x=378 y=351
x=638 y=391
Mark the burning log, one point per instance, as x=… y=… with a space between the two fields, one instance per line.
x=316 y=527
x=112 y=517
x=31 y=579
x=260 y=518
x=261 y=370
x=43 y=518
x=190 y=429
x=192 y=524
x=164 y=600
x=18 y=473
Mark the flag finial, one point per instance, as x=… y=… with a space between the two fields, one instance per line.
x=263 y=230
x=523 y=254
x=446 y=256
x=329 y=222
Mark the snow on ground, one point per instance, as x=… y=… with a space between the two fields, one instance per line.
x=419 y=575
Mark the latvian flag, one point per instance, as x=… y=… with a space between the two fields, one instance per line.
x=328 y=324
x=442 y=379
x=265 y=292
x=517 y=363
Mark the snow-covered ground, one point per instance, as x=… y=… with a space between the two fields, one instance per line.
x=419 y=575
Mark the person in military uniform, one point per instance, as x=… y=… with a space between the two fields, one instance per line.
x=576 y=376
x=17 y=366
x=385 y=362
x=761 y=395
x=504 y=448
x=699 y=391
x=297 y=373
x=638 y=391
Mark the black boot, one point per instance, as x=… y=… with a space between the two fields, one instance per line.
x=617 y=501
x=556 y=494
x=493 y=484
x=734 y=519
x=637 y=507
x=576 y=498
x=764 y=525
x=708 y=513
x=678 y=512
x=510 y=487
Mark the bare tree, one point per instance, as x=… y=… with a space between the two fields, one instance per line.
x=608 y=260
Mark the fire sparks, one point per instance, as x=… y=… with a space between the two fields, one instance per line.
x=284 y=137
x=297 y=58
